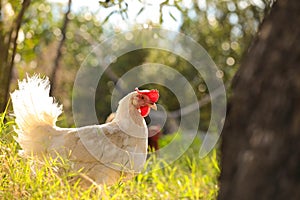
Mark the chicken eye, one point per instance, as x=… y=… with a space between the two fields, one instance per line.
x=142 y=97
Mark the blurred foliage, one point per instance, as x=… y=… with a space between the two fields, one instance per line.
x=38 y=42
x=106 y=85
x=223 y=28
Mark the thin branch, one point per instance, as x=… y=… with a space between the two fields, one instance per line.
x=161 y=10
x=53 y=76
x=192 y=107
x=15 y=29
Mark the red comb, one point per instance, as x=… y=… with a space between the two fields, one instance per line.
x=152 y=94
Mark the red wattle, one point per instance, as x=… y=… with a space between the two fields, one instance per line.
x=145 y=110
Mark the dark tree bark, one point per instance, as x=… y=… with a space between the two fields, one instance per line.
x=261 y=137
x=8 y=46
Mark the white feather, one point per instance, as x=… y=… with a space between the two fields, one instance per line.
x=34 y=108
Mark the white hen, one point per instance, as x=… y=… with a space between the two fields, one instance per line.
x=104 y=152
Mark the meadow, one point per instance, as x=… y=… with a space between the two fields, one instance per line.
x=189 y=177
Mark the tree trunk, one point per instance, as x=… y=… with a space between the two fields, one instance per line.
x=261 y=137
x=8 y=47
x=4 y=78
x=3 y=63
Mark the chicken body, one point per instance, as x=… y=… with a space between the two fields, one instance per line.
x=105 y=153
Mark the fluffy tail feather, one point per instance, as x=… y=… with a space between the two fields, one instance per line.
x=36 y=113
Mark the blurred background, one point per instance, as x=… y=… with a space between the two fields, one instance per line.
x=54 y=37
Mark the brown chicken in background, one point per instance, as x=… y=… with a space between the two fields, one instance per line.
x=154 y=133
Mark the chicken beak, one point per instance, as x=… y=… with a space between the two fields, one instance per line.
x=153 y=106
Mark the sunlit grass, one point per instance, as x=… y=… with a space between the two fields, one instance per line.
x=187 y=178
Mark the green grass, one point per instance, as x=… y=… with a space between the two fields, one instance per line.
x=187 y=178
